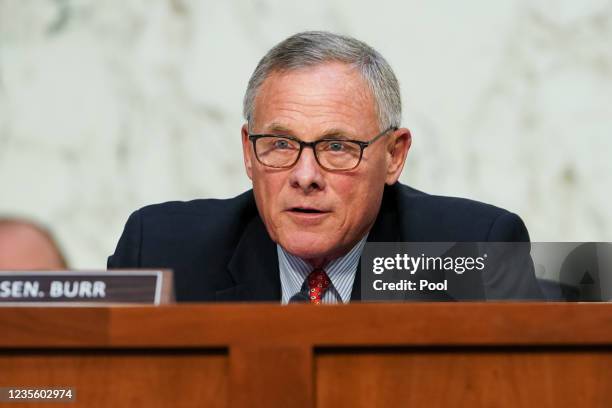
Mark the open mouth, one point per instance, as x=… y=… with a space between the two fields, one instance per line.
x=307 y=210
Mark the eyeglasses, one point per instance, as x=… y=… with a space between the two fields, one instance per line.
x=281 y=151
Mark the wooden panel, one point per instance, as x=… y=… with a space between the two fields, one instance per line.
x=271 y=377
x=130 y=378
x=469 y=354
x=53 y=326
x=355 y=325
x=463 y=377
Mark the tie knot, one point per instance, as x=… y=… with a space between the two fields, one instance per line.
x=318 y=282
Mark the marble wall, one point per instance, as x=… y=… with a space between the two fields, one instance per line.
x=106 y=106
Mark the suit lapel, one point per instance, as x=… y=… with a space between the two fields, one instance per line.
x=254 y=267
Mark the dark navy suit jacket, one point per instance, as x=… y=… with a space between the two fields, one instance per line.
x=220 y=250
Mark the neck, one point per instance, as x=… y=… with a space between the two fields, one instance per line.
x=319 y=262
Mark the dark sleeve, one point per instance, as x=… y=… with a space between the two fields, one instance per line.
x=127 y=253
x=512 y=274
x=508 y=227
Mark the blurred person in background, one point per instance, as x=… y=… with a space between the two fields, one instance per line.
x=25 y=245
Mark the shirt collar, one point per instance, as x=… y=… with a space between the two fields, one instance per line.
x=341 y=272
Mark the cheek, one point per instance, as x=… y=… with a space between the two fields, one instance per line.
x=267 y=192
x=350 y=194
x=360 y=197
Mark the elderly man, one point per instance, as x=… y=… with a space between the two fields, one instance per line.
x=324 y=149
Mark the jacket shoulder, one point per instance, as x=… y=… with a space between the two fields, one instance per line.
x=211 y=223
x=157 y=233
x=196 y=239
x=442 y=218
x=200 y=207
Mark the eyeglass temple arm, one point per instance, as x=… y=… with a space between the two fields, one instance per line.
x=378 y=136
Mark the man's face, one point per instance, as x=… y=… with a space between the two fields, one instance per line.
x=311 y=212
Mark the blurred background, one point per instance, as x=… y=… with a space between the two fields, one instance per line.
x=106 y=106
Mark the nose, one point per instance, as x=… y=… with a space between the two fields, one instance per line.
x=306 y=174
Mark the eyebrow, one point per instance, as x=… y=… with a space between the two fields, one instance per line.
x=277 y=127
x=335 y=133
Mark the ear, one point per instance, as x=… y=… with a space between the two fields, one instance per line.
x=397 y=150
x=247 y=151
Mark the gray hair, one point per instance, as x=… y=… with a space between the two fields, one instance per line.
x=311 y=48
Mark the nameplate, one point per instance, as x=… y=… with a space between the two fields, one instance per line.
x=76 y=288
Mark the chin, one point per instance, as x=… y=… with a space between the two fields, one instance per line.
x=307 y=245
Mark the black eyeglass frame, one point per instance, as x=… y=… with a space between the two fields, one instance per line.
x=254 y=137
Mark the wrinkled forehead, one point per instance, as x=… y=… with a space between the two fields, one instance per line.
x=334 y=94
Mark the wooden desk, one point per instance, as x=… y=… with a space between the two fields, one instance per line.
x=361 y=355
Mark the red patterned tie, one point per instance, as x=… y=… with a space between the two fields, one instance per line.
x=318 y=282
